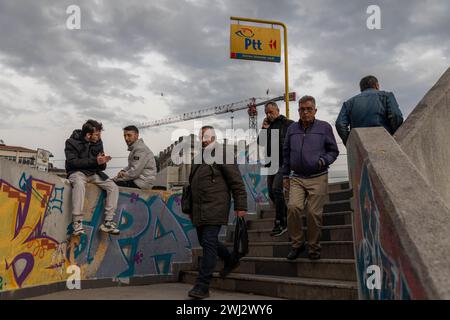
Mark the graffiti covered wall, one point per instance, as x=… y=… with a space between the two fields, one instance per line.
x=376 y=241
x=36 y=249
x=255 y=184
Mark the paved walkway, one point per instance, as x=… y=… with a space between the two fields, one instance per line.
x=164 y=291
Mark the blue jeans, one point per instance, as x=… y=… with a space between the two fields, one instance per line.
x=208 y=239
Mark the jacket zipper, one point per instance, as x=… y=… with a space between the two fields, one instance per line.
x=301 y=149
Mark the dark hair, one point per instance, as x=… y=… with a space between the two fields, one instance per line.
x=368 y=82
x=131 y=128
x=271 y=103
x=305 y=99
x=90 y=126
x=207 y=127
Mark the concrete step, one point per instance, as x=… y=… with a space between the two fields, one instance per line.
x=333 y=195
x=329 y=233
x=330 y=249
x=328 y=219
x=329 y=207
x=280 y=287
x=338 y=195
x=338 y=186
x=333 y=269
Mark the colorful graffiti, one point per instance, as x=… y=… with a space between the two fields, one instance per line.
x=256 y=185
x=154 y=235
x=376 y=240
x=36 y=247
x=370 y=250
x=27 y=252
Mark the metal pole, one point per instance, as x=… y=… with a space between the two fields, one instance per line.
x=286 y=70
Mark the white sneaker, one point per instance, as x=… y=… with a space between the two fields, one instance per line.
x=78 y=229
x=110 y=227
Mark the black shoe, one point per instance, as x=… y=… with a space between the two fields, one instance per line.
x=314 y=255
x=229 y=266
x=295 y=252
x=278 y=232
x=199 y=292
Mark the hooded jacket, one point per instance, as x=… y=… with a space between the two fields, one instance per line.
x=212 y=187
x=81 y=155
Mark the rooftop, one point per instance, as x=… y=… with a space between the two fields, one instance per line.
x=14 y=148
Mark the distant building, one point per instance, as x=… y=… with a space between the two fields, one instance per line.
x=38 y=159
x=173 y=176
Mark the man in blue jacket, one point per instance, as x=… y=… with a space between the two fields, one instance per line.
x=309 y=149
x=371 y=108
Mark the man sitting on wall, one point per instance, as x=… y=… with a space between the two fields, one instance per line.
x=141 y=170
x=85 y=162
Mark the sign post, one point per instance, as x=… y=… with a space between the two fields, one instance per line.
x=254 y=43
x=261 y=44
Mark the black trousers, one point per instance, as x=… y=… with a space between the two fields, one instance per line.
x=275 y=186
x=127 y=184
x=209 y=240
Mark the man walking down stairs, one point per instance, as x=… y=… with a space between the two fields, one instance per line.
x=266 y=271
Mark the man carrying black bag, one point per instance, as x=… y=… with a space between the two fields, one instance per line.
x=211 y=183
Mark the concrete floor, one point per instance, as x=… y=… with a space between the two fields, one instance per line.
x=164 y=291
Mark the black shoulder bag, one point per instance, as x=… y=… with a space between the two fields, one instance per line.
x=240 y=246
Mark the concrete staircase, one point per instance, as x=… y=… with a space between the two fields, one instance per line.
x=266 y=271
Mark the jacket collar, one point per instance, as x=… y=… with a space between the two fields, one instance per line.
x=300 y=124
x=280 y=118
x=136 y=143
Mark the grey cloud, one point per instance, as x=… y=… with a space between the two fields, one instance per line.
x=194 y=39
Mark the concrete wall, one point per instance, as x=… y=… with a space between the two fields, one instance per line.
x=34 y=243
x=425 y=136
x=401 y=190
x=35 y=215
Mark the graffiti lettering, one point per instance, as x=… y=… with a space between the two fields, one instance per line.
x=36 y=247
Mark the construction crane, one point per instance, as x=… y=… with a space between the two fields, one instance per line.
x=249 y=104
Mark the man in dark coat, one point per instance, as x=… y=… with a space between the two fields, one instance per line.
x=275 y=121
x=85 y=163
x=211 y=184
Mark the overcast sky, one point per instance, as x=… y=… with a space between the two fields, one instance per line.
x=135 y=61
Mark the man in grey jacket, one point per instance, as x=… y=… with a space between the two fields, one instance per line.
x=141 y=170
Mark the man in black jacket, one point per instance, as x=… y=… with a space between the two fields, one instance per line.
x=275 y=121
x=211 y=185
x=85 y=163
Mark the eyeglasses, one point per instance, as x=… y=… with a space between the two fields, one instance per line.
x=309 y=109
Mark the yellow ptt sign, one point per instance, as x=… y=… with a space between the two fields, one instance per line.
x=255 y=43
